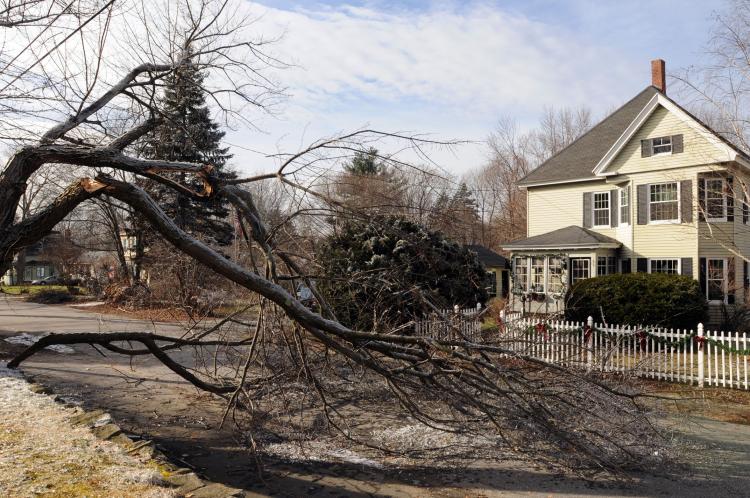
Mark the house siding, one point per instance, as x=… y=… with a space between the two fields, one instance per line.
x=559 y=206
x=696 y=149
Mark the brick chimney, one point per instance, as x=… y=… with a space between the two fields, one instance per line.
x=659 y=75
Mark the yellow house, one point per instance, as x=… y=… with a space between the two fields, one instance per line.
x=648 y=189
x=498 y=270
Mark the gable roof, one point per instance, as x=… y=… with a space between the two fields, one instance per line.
x=571 y=237
x=488 y=257
x=578 y=160
x=588 y=156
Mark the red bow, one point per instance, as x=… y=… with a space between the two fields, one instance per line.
x=587 y=333
x=642 y=338
x=700 y=340
x=541 y=328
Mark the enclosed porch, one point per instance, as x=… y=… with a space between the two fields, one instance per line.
x=545 y=266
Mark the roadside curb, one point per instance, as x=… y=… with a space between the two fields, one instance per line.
x=185 y=482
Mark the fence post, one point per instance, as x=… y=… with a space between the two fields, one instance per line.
x=456 y=309
x=589 y=352
x=700 y=356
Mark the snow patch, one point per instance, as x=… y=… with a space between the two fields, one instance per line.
x=86 y=305
x=318 y=451
x=28 y=339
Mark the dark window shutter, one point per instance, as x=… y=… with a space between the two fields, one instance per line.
x=626 y=265
x=745 y=210
x=642 y=265
x=686 y=201
x=731 y=280
x=745 y=278
x=642 y=201
x=701 y=199
x=587 y=210
x=646 y=148
x=613 y=207
x=702 y=275
x=686 y=265
x=677 y=146
x=730 y=198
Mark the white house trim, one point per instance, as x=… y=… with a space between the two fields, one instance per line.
x=660 y=100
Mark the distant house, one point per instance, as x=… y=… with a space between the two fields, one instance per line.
x=36 y=262
x=649 y=189
x=498 y=270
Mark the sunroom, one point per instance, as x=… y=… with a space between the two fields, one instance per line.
x=546 y=265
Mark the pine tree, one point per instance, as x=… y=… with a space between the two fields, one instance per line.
x=465 y=212
x=365 y=163
x=189 y=134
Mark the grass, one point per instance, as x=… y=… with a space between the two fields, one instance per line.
x=17 y=290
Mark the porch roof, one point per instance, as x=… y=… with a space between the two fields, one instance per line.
x=572 y=237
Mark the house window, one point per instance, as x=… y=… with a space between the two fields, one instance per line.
x=555 y=275
x=661 y=145
x=716 y=200
x=580 y=269
x=664 y=266
x=624 y=205
x=492 y=281
x=606 y=265
x=522 y=274
x=39 y=272
x=537 y=274
x=663 y=203
x=601 y=209
x=626 y=266
x=716 y=278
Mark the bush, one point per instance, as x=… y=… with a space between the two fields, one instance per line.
x=383 y=272
x=674 y=301
x=50 y=297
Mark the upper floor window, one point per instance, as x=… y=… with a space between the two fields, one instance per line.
x=661 y=145
x=716 y=199
x=601 y=209
x=663 y=202
x=625 y=205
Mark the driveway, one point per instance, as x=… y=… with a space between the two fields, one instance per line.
x=147 y=399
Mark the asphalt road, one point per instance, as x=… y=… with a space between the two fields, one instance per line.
x=146 y=398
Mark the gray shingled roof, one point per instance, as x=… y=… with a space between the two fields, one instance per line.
x=578 y=160
x=569 y=237
x=488 y=257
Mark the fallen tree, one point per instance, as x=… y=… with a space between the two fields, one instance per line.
x=458 y=386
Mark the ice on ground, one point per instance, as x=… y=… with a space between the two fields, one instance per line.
x=318 y=451
x=88 y=304
x=41 y=451
x=28 y=339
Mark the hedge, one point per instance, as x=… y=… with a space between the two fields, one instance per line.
x=659 y=299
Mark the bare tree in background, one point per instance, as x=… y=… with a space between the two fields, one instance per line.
x=482 y=391
x=502 y=204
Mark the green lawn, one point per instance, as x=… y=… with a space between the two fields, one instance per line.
x=17 y=290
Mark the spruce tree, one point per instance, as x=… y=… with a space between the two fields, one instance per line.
x=188 y=133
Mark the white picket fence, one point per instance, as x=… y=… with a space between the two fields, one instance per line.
x=696 y=357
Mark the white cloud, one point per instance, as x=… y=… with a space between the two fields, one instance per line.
x=451 y=71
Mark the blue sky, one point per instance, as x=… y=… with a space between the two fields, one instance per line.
x=453 y=69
